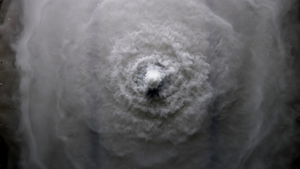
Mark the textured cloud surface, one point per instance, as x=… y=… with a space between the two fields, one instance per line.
x=156 y=84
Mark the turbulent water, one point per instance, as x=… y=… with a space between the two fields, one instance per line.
x=160 y=84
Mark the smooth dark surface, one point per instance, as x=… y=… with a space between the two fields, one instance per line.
x=9 y=84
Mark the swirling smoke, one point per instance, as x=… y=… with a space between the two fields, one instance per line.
x=157 y=84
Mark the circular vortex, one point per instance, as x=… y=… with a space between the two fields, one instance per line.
x=155 y=73
x=158 y=79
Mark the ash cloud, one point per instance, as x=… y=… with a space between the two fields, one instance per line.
x=227 y=97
